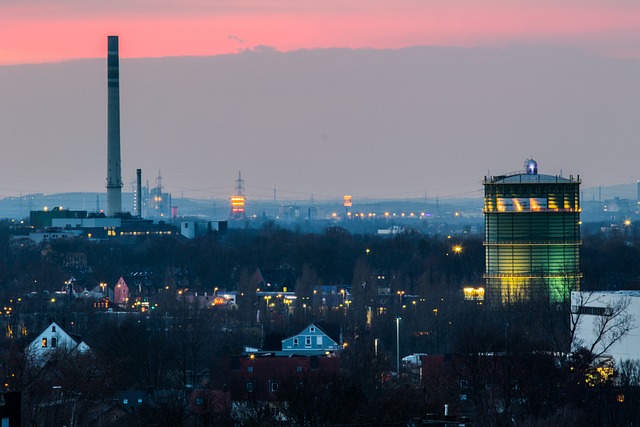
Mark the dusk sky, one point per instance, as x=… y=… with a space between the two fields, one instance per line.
x=326 y=97
x=54 y=30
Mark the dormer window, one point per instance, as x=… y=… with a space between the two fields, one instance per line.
x=313 y=329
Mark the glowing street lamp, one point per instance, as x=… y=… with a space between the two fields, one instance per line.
x=398 y=345
x=457 y=249
x=400 y=294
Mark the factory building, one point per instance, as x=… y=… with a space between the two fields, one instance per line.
x=60 y=223
x=532 y=236
x=158 y=202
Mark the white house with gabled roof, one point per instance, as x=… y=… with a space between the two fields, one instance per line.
x=54 y=340
x=311 y=341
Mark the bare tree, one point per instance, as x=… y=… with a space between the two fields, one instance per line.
x=628 y=373
x=304 y=292
x=609 y=319
x=252 y=413
x=247 y=297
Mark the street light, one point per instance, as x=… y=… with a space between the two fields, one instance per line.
x=398 y=345
x=400 y=294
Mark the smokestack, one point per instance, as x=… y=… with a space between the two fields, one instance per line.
x=114 y=174
x=139 y=192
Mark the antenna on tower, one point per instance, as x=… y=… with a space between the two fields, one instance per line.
x=159 y=180
x=238 y=200
x=240 y=185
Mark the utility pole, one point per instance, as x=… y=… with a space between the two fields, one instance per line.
x=398 y=345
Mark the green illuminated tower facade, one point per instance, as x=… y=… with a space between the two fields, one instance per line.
x=532 y=236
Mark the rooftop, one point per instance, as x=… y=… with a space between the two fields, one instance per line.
x=521 y=177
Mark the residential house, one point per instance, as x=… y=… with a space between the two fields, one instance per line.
x=280 y=279
x=54 y=340
x=315 y=339
x=103 y=304
x=144 y=281
x=261 y=376
x=121 y=292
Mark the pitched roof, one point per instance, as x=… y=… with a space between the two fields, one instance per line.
x=332 y=329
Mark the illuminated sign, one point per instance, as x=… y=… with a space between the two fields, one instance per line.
x=473 y=294
x=347 y=201
x=237 y=204
x=521 y=204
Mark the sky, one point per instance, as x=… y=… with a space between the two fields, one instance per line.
x=33 y=31
x=379 y=99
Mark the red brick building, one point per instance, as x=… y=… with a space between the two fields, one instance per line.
x=265 y=377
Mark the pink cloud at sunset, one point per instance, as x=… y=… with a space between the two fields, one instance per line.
x=48 y=31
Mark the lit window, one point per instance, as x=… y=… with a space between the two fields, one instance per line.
x=125 y=401
x=139 y=400
x=44 y=342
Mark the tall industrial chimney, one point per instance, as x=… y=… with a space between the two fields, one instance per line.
x=139 y=193
x=114 y=173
